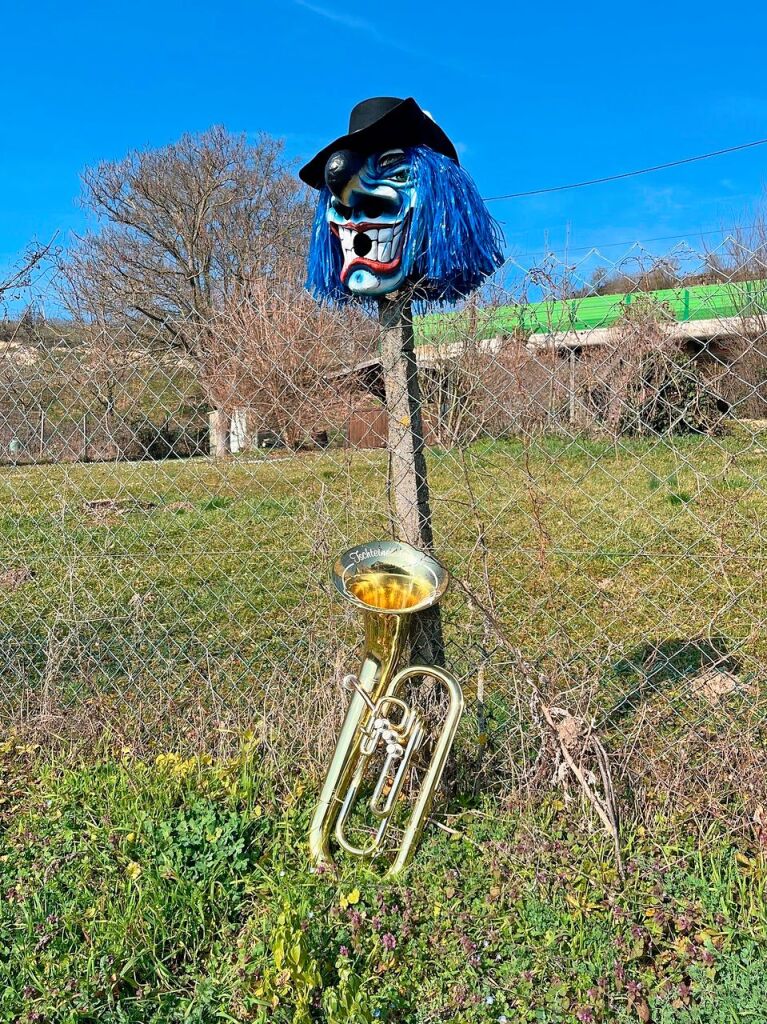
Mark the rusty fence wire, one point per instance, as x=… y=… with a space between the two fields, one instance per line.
x=596 y=439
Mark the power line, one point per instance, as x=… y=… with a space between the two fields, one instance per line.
x=627 y=174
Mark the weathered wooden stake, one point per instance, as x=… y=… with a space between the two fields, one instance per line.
x=408 y=483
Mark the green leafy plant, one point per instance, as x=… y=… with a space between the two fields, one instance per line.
x=294 y=975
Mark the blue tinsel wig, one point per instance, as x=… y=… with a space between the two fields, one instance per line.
x=452 y=245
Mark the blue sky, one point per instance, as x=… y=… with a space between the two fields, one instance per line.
x=533 y=95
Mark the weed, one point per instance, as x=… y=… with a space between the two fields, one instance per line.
x=177 y=889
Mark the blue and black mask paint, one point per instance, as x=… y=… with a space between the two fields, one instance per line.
x=400 y=215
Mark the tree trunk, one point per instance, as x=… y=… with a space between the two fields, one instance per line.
x=220 y=439
x=408 y=484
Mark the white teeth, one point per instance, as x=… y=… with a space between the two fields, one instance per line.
x=346 y=237
x=385 y=243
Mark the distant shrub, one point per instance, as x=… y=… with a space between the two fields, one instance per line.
x=669 y=396
x=646 y=382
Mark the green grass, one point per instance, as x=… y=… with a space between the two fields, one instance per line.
x=594 y=549
x=178 y=890
x=210 y=603
x=145 y=885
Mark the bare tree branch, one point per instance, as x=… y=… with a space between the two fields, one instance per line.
x=20 y=275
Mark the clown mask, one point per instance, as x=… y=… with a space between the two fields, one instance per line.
x=396 y=207
x=369 y=213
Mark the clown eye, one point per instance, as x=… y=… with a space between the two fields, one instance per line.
x=338 y=206
x=392 y=166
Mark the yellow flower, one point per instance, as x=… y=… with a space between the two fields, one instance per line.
x=350 y=899
x=133 y=870
x=175 y=765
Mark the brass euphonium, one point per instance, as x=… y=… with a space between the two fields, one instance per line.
x=389 y=581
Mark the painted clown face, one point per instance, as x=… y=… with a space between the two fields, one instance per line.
x=398 y=217
x=369 y=214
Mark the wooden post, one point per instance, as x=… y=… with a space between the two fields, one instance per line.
x=571 y=382
x=408 y=483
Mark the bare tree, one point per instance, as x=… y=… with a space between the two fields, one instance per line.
x=179 y=231
x=271 y=351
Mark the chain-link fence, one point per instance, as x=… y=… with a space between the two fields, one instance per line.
x=597 y=455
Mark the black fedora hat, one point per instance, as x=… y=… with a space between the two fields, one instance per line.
x=382 y=122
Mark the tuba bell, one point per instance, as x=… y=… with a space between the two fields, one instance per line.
x=389 y=581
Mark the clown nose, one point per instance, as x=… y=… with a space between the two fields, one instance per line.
x=340 y=169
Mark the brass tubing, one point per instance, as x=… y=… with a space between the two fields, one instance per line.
x=385 y=813
x=431 y=780
x=385 y=637
x=389 y=581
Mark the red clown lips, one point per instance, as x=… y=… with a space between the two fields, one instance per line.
x=374 y=245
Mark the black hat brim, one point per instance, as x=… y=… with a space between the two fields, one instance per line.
x=405 y=125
